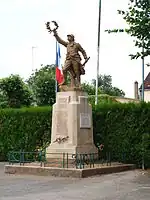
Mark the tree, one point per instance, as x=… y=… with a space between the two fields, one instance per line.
x=104 y=81
x=105 y=86
x=15 y=92
x=89 y=88
x=42 y=83
x=137 y=18
x=3 y=100
x=116 y=92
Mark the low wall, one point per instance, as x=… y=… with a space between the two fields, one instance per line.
x=64 y=172
x=126 y=100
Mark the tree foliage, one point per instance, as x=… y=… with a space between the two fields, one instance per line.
x=42 y=83
x=3 y=100
x=89 y=88
x=105 y=86
x=137 y=18
x=14 y=92
x=39 y=89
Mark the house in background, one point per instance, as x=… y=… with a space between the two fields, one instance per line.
x=138 y=92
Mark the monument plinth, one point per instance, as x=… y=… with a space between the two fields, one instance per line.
x=72 y=127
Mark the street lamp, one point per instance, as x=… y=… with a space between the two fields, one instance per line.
x=33 y=47
x=143 y=63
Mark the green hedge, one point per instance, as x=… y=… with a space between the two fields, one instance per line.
x=24 y=129
x=103 y=98
x=124 y=129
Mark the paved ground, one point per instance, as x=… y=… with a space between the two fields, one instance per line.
x=132 y=185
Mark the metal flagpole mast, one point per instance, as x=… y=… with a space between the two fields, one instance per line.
x=143 y=63
x=55 y=70
x=98 y=50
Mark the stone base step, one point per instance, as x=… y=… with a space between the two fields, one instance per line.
x=60 y=163
x=82 y=173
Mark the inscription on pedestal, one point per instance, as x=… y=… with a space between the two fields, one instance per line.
x=63 y=102
x=85 y=120
x=61 y=123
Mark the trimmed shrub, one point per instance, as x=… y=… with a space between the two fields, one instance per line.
x=124 y=129
x=24 y=129
x=103 y=98
x=121 y=128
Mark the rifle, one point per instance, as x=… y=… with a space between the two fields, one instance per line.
x=85 y=61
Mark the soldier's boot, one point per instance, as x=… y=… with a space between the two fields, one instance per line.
x=78 y=79
x=72 y=75
x=72 y=82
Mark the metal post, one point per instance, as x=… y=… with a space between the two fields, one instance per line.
x=63 y=164
x=109 y=159
x=143 y=74
x=98 y=50
x=56 y=87
x=143 y=153
x=93 y=159
x=33 y=58
x=67 y=160
x=20 y=156
x=80 y=158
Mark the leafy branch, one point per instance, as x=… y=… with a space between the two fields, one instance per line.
x=137 y=18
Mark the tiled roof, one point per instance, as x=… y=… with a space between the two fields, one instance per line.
x=147 y=82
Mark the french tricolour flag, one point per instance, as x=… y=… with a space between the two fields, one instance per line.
x=59 y=74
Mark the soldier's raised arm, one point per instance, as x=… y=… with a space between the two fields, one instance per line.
x=82 y=51
x=61 y=41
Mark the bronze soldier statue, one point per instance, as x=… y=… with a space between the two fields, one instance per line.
x=73 y=60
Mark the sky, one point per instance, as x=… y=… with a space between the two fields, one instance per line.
x=23 y=27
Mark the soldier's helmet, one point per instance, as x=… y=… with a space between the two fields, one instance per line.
x=71 y=35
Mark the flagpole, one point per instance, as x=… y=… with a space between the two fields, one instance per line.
x=55 y=70
x=98 y=50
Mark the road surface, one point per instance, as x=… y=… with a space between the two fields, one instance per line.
x=131 y=185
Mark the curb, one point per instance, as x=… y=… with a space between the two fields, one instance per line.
x=64 y=172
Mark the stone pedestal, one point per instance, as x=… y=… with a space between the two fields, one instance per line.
x=72 y=128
